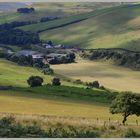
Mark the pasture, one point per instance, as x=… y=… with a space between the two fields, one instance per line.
x=48 y=9
x=12 y=74
x=110 y=29
x=42 y=104
x=109 y=75
x=68 y=100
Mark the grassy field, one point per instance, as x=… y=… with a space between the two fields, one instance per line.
x=39 y=27
x=42 y=10
x=44 y=104
x=15 y=75
x=51 y=9
x=114 y=29
x=110 y=76
x=11 y=74
x=102 y=28
x=68 y=100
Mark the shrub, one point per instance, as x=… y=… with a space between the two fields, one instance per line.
x=35 y=81
x=56 y=82
x=112 y=127
x=130 y=133
x=78 y=81
x=48 y=71
x=102 y=87
x=94 y=84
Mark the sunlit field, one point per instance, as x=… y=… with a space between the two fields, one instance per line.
x=110 y=76
x=39 y=104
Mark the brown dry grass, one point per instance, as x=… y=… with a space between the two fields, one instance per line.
x=110 y=76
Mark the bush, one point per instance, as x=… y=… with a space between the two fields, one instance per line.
x=48 y=71
x=94 y=84
x=9 y=128
x=112 y=127
x=130 y=133
x=35 y=81
x=78 y=81
x=56 y=82
x=18 y=37
x=102 y=87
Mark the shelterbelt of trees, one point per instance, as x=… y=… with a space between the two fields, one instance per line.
x=121 y=57
x=18 y=37
x=11 y=36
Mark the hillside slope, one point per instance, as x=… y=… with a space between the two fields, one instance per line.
x=60 y=99
x=115 y=28
x=46 y=10
x=65 y=100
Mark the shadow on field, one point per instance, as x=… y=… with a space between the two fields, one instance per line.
x=62 y=92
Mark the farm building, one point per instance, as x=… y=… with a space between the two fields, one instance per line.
x=34 y=54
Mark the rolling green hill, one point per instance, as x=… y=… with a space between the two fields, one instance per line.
x=12 y=74
x=118 y=28
x=114 y=27
x=48 y=9
x=66 y=100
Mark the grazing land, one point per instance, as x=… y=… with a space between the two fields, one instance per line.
x=66 y=100
x=46 y=9
x=109 y=29
x=52 y=102
x=70 y=102
x=109 y=75
x=14 y=75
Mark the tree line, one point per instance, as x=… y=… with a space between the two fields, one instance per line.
x=18 y=37
x=25 y=10
x=120 y=57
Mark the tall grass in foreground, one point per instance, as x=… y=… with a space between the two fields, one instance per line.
x=12 y=127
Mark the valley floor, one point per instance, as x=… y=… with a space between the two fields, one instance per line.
x=68 y=100
x=110 y=76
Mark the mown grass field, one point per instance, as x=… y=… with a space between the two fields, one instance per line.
x=109 y=75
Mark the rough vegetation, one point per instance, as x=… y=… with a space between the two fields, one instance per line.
x=120 y=57
x=18 y=37
x=11 y=128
